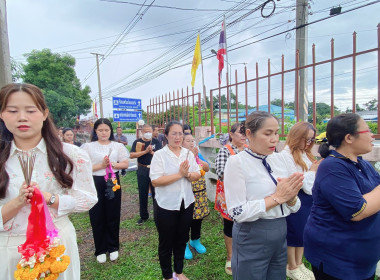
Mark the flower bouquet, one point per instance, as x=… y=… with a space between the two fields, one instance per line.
x=111 y=182
x=41 y=254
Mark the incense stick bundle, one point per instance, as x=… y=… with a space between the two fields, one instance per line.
x=27 y=165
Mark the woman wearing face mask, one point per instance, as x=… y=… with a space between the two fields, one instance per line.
x=105 y=215
x=143 y=149
x=258 y=201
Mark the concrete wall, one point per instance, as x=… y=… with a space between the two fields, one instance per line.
x=209 y=151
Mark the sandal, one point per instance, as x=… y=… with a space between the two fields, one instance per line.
x=227 y=268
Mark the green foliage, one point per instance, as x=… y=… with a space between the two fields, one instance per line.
x=371 y=105
x=138 y=257
x=373 y=127
x=55 y=75
x=16 y=69
x=322 y=127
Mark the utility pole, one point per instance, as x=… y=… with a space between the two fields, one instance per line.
x=301 y=46
x=5 y=59
x=99 y=85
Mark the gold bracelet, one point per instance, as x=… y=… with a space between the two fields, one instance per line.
x=275 y=199
x=293 y=202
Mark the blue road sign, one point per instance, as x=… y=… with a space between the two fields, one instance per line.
x=127 y=116
x=126 y=103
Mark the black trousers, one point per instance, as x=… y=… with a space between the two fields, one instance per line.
x=196 y=226
x=320 y=275
x=227 y=227
x=143 y=181
x=105 y=219
x=173 y=233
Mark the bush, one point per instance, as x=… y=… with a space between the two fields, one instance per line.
x=373 y=127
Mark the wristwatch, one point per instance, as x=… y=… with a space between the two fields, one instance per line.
x=51 y=200
x=113 y=165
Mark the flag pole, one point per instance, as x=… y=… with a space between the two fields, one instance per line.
x=225 y=36
x=203 y=76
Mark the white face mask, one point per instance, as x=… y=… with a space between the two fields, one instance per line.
x=147 y=135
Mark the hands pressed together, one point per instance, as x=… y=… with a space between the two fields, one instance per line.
x=184 y=168
x=26 y=193
x=149 y=149
x=288 y=188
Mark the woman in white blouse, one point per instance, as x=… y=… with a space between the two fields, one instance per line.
x=62 y=173
x=259 y=201
x=105 y=215
x=172 y=170
x=298 y=158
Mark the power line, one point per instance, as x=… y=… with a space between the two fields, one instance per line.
x=160 y=71
x=172 y=7
x=129 y=27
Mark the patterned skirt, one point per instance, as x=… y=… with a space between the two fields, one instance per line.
x=201 y=208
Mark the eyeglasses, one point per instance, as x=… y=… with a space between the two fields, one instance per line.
x=310 y=140
x=365 y=131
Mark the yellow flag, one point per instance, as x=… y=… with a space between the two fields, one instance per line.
x=196 y=60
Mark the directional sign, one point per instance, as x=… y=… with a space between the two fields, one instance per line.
x=126 y=103
x=127 y=116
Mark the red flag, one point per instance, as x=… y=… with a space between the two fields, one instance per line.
x=221 y=52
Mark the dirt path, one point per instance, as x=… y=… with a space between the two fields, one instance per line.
x=129 y=210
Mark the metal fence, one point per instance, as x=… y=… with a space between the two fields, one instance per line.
x=187 y=107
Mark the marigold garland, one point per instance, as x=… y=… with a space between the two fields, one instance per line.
x=47 y=267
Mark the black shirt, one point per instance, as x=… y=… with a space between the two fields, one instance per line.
x=147 y=158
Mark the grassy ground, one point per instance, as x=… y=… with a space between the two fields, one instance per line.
x=138 y=253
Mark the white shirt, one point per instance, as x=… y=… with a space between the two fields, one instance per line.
x=309 y=176
x=81 y=197
x=165 y=162
x=98 y=151
x=247 y=183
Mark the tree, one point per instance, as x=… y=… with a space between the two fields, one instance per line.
x=55 y=75
x=358 y=109
x=16 y=69
x=371 y=105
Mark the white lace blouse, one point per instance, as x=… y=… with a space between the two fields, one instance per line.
x=81 y=197
x=117 y=151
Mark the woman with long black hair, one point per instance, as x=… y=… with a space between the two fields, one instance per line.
x=62 y=173
x=105 y=215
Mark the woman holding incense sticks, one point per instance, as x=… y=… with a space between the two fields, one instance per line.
x=63 y=176
x=172 y=170
x=107 y=157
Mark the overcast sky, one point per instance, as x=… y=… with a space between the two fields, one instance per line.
x=137 y=66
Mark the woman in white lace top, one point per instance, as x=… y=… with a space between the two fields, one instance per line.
x=62 y=173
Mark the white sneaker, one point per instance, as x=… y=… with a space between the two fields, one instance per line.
x=307 y=271
x=101 y=258
x=114 y=256
x=296 y=274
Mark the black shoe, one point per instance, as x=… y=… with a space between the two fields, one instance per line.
x=141 y=221
x=123 y=172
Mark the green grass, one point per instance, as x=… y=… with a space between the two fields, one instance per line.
x=138 y=256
